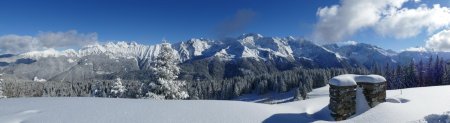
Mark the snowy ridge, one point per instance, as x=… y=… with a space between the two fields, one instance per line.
x=223 y=54
x=113 y=50
x=251 y=45
x=122 y=50
x=192 y=48
x=254 y=46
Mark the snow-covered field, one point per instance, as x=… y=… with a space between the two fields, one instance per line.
x=410 y=105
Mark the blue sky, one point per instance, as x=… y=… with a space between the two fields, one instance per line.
x=148 y=22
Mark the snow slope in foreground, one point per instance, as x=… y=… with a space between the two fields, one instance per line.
x=413 y=105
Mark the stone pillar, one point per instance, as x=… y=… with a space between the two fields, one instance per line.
x=342 y=101
x=375 y=93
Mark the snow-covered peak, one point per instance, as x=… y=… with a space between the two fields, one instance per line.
x=362 y=47
x=192 y=48
x=90 y=49
x=121 y=44
x=363 y=53
x=198 y=46
x=329 y=51
x=279 y=46
x=250 y=53
x=249 y=39
x=113 y=50
x=252 y=35
x=123 y=50
x=224 y=55
x=246 y=46
x=290 y=38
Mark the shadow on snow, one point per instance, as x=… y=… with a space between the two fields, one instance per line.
x=322 y=115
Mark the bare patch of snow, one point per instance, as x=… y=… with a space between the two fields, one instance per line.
x=70 y=60
x=223 y=54
x=36 y=79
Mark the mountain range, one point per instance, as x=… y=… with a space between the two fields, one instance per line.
x=247 y=54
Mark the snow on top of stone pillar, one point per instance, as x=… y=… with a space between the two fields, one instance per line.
x=343 y=80
x=370 y=78
x=353 y=79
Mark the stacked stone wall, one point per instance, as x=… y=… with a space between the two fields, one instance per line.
x=375 y=93
x=342 y=101
x=343 y=98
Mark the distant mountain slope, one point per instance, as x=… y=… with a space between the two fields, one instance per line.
x=244 y=55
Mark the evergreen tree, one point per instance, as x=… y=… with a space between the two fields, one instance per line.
x=376 y=69
x=411 y=78
x=1 y=87
x=387 y=71
x=390 y=77
x=436 y=72
x=420 y=70
x=399 y=79
x=166 y=70
x=440 y=69
x=261 y=86
x=118 y=90
x=300 y=93
x=446 y=78
x=430 y=80
x=97 y=90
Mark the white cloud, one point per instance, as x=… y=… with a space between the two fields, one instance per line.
x=386 y=17
x=416 y=49
x=439 y=41
x=405 y=23
x=338 y=21
x=347 y=43
x=44 y=40
x=16 y=44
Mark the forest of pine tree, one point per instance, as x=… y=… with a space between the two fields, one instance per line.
x=427 y=72
x=432 y=72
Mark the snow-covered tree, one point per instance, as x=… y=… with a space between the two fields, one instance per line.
x=411 y=75
x=1 y=87
x=166 y=72
x=300 y=93
x=118 y=90
x=420 y=71
x=96 y=90
x=430 y=79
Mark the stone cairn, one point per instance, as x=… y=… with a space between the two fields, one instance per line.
x=343 y=93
